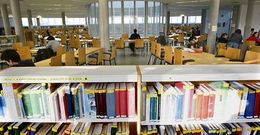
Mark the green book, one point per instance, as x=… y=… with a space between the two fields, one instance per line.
x=35 y=98
x=27 y=101
x=74 y=91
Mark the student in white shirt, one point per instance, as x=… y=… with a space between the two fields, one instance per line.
x=53 y=44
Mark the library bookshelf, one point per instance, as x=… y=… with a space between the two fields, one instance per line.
x=140 y=75
x=91 y=74
x=196 y=73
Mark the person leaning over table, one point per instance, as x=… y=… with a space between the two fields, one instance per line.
x=235 y=39
x=134 y=36
x=13 y=59
x=53 y=44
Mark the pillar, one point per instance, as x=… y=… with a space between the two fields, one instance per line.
x=104 y=23
x=146 y=18
x=29 y=14
x=38 y=22
x=203 y=21
x=235 y=18
x=16 y=11
x=63 y=19
x=187 y=20
x=135 y=15
x=167 y=24
x=182 y=20
x=122 y=16
x=249 y=17
x=4 y=13
x=214 y=11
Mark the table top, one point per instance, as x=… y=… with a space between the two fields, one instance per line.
x=45 y=63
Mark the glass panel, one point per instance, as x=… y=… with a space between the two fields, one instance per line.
x=140 y=13
x=128 y=17
x=150 y=18
x=25 y=22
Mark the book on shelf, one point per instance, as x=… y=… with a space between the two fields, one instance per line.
x=77 y=128
x=183 y=101
x=61 y=102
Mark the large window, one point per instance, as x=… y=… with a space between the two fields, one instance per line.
x=140 y=14
x=194 y=19
x=150 y=26
x=175 y=19
x=75 y=21
x=129 y=24
x=93 y=14
x=116 y=12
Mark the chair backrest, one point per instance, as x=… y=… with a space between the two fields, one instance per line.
x=30 y=44
x=233 y=53
x=221 y=46
x=96 y=43
x=17 y=45
x=124 y=36
x=250 y=43
x=100 y=57
x=70 y=59
x=139 y=43
x=152 y=38
x=72 y=41
x=255 y=49
x=113 y=53
x=119 y=44
x=252 y=56
x=63 y=39
x=77 y=43
x=221 y=52
x=168 y=54
x=25 y=53
x=81 y=56
x=181 y=38
x=56 y=61
x=153 y=47
x=158 y=51
x=177 y=56
x=60 y=50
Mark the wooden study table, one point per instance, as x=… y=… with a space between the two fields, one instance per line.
x=46 y=63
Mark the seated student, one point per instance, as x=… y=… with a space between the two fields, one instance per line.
x=192 y=42
x=49 y=35
x=254 y=37
x=53 y=44
x=134 y=36
x=13 y=59
x=161 y=39
x=223 y=38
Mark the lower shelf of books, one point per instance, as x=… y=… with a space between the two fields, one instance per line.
x=134 y=119
x=202 y=129
x=201 y=122
x=78 y=128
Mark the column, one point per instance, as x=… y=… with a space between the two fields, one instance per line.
x=203 y=21
x=145 y=18
x=249 y=17
x=187 y=20
x=29 y=14
x=16 y=11
x=182 y=20
x=214 y=11
x=235 y=18
x=122 y=16
x=104 y=24
x=4 y=13
x=135 y=15
x=38 y=22
x=87 y=15
x=167 y=24
x=63 y=19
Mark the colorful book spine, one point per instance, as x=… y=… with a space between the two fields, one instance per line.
x=110 y=101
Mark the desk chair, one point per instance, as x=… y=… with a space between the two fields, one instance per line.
x=152 y=51
x=99 y=60
x=178 y=58
x=17 y=45
x=25 y=53
x=110 y=56
x=139 y=44
x=124 y=36
x=96 y=43
x=30 y=44
x=82 y=56
x=250 y=43
x=158 y=54
x=233 y=54
x=70 y=58
x=56 y=61
x=119 y=44
x=63 y=39
x=60 y=50
x=168 y=56
x=255 y=49
x=180 y=39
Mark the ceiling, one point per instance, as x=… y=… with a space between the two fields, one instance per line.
x=77 y=8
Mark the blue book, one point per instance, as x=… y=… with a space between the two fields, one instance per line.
x=110 y=101
x=75 y=101
x=90 y=103
x=249 y=112
x=81 y=94
x=1 y=106
x=179 y=104
x=69 y=103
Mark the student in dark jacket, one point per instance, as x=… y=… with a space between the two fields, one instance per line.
x=13 y=59
x=235 y=39
x=134 y=36
x=223 y=38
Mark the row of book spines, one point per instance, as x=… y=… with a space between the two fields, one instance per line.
x=20 y=128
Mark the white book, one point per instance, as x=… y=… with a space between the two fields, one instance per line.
x=80 y=96
x=109 y=128
x=97 y=129
x=244 y=91
x=147 y=110
x=131 y=99
x=186 y=105
x=162 y=130
x=246 y=129
x=163 y=111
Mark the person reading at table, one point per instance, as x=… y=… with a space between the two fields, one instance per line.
x=13 y=59
x=53 y=44
x=134 y=36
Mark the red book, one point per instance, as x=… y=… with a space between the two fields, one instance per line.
x=239 y=129
x=205 y=105
x=65 y=106
x=198 y=108
x=123 y=100
x=211 y=105
x=117 y=97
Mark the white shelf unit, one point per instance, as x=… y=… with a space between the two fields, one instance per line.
x=87 y=74
x=200 y=73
